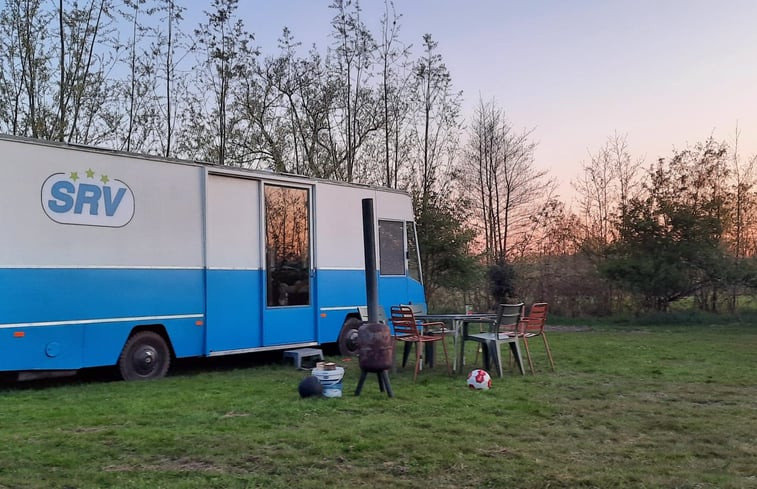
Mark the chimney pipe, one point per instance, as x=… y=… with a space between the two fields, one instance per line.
x=369 y=247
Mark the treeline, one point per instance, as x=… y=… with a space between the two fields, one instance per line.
x=648 y=235
x=370 y=107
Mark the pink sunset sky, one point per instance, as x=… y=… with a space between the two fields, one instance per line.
x=665 y=73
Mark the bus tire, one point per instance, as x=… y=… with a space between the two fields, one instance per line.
x=348 y=346
x=145 y=356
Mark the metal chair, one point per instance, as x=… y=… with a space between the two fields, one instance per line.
x=410 y=331
x=533 y=325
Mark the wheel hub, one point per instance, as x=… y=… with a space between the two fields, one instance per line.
x=144 y=360
x=352 y=340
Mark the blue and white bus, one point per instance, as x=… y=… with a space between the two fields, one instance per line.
x=108 y=258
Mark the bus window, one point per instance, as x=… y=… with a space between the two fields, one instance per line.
x=413 y=260
x=391 y=248
x=287 y=246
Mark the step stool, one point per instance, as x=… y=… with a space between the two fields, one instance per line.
x=300 y=353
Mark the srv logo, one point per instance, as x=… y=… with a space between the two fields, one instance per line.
x=68 y=198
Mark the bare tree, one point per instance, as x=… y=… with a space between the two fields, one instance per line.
x=744 y=201
x=131 y=14
x=62 y=84
x=437 y=121
x=351 y=63
x=85 y=72
x=75 y=107
x=609 y=180
x=741 y=234
x=173 y=14
x=290 y=104
x=12 y=74
x=510 y=189
x=308 y=96
x=229 y=56
x=441 y=207
x=26 y=74
x=394 y=86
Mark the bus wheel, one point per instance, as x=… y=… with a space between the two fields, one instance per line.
x=145 y=356
x=348 y=346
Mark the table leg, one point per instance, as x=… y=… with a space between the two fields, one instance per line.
x=454 y=345
x=406 y=352
x=428 y=354
x=460 y=345
x=515 y=348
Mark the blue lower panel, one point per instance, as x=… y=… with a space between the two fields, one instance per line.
x=239 y=320
x=71 y=347
x=41 y=295
x=234 y=310
x=340 y=289
x=101 y=308
x=288 y=324
x=415 y=292
x=97 y=308
x=42 y=348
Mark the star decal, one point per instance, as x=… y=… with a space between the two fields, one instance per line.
x=74 y=176
x=104 y=179
x=90 y=173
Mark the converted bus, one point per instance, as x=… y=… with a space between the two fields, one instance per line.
x=109 y=258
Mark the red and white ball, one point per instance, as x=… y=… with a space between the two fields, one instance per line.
x=479 y=379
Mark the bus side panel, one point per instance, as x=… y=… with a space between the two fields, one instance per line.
x=45 y=348
x=339 y=294
x=234 y=315
x=86 y=315
x=339 y=227
x=93 y=244
x=165 y=230
x=71 y=347
x=341 y=291
x=340 y=257
x=64 y=294
x=103 y=342
x=187 y=336
x=393 y=290
x=415 y=292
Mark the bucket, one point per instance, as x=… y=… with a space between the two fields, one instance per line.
x=331 y=380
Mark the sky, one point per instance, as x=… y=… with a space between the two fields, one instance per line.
x=664 y=73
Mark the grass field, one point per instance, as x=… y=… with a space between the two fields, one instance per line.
x=635 y=407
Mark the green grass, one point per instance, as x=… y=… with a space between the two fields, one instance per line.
x=632 y=406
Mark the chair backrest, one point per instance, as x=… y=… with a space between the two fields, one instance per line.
x=536 y=319
x=508 y=318
x=403 y=321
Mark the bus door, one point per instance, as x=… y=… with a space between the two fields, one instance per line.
x=233 y=257
x=288 y=313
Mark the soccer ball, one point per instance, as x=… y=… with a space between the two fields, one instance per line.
x=479 y=379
